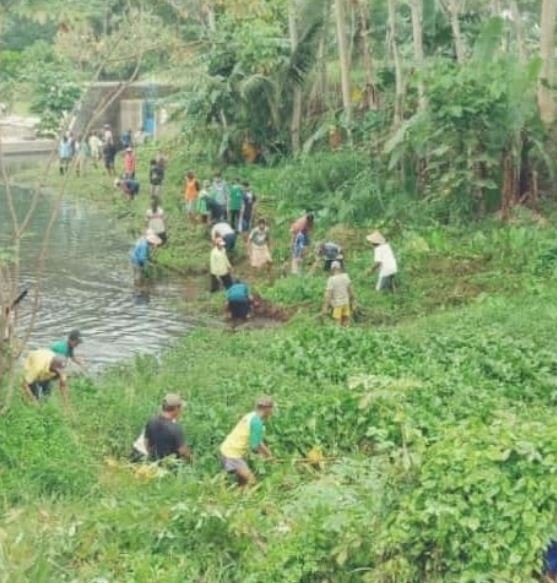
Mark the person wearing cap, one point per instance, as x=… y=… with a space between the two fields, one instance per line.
x=220 y=266
x=248 y=435
x=129 y=186
x=238 y=301
x=141 y=254
x=339 y=294
x=129 y=163
x=163 y=435
x=226 y=232
x=66 y=347
x=384 y=262
x=39 y=369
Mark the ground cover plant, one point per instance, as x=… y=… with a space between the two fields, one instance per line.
x=441 y=436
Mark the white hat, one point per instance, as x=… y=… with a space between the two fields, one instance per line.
x=376 y=238
x=153 y=238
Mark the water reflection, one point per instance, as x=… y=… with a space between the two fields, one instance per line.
x=87 y=283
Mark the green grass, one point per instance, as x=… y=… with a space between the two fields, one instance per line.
x=438 y=407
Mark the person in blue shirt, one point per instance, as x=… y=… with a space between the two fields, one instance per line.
x=141 y=254
x=129 y=186
x=299 y=246
x=238 y=301
x=65 y=154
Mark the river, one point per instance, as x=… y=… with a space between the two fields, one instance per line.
x=87 y=284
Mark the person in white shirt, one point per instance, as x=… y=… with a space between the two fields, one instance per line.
x=227 y=233
x=384 y=261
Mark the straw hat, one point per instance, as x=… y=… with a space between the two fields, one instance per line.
x=376 y=238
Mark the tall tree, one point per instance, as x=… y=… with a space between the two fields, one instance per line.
x=417 y=9
x=344 y=64
x=296 y=121
x=366 y=54
x=546 y=101
x=453 y=7
x=399 y=77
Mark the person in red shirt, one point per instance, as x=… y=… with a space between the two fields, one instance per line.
x=129 y=163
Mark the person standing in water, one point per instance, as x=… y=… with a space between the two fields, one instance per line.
x=141 y=255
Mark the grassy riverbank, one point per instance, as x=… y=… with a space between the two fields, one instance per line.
x=440 y=430
x=442 y=436
x=442 y=266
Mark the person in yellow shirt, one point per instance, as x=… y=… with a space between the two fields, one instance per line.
x=220 y=266
x=40 y=368
x=247 y=436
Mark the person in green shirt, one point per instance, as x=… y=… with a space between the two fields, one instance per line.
x=66 y=347
x=248 y=435
x=235 y=202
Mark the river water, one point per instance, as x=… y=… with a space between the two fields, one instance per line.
x=87 y=284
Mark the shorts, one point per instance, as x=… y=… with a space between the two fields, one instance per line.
x=239 y=310
x=341 y=312
x=386 y=283
x=233 y=464
x=189 y=206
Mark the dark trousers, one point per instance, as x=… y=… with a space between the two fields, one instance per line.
x=239 y=310
x=234 y=220
x=40 y=390
x=225 y=280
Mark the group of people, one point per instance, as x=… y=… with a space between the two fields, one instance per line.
x=162 y=436
x=99 y=147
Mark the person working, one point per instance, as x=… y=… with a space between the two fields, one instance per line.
x=202 y=208
x=163 y=435
x=238 y=301
x=141 y=254
x=328 y=253
x=67 y=347
x=39 y=369
x=227 y=233
x=339 y=294
x=129 y=186
x=303 y=224
x=299 y=246
x=384 y=261
x=155 y=219
x=220 y=266
x=247 y=436
x=259 y=242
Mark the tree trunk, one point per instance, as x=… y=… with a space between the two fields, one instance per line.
x=344 y=66
x=370 y=94
x=519 y=31
x=546 y=102
x=454 y=10
x=417 y=9
x=399 y=79
x=296 y=121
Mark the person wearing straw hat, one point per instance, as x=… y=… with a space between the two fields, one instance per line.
x=384 y=262
x=163 y=435
x=248 y=435
x=339 y=294
x=141 y=254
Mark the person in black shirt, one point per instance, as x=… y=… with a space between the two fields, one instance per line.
x=156 y=176
x=163 y=435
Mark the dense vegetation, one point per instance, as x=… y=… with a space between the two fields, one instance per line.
x=435 y=411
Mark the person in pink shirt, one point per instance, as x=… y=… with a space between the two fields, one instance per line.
x=129 y=163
